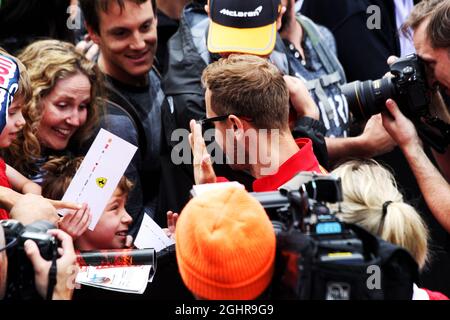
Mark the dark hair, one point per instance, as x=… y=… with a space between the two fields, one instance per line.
x=438 y=29
x=91 y=9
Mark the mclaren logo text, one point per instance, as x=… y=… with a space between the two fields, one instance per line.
x=241 y=14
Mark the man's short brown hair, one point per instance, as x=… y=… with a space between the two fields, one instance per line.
x=248 y=86
x=91 y=10
x=438 y=29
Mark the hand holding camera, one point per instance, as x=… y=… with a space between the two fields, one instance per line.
x=400 y=128
x=409 y=86
x=66 y=266
x=41 y=261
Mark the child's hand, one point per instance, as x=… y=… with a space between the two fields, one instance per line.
x=172 y=219
x=76 y=223
x=129 y=242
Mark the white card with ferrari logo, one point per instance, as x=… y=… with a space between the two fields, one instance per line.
x=100 y=172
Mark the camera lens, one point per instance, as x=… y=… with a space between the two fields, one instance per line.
x=368 y=97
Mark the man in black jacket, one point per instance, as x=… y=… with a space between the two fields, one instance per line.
x=125 y=31
x=189 y=55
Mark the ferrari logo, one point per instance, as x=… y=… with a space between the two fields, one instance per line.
x=101 y=182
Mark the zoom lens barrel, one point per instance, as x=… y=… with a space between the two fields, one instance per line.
x=366 y=98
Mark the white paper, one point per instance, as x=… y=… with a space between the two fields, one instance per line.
x=202 y=188
x=99 y=173
x=130 y=279
x=152 y=236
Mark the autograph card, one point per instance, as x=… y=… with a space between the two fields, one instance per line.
x=100 y=172
x=151 y=235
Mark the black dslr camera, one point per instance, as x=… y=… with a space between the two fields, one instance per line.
x=20 y=270
x=409 y=88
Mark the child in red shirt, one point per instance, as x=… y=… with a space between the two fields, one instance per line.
x=15 y=91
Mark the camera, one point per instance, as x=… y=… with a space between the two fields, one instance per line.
x=20 y=270
x=409 y=88
x=319 y=257
x=304 y=209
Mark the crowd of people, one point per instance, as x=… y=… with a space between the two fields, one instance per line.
x=215 y=91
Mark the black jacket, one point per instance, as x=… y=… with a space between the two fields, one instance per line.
x=183 y=88
x=362 y=52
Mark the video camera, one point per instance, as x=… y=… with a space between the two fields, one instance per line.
x=319 y=256
x=304 y=209
x=409 y=88
x=20 y=270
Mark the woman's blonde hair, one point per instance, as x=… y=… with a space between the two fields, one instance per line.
x=47 y=62
x=367 y=188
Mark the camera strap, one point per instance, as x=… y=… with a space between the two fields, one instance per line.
x=335 y=72
x=52 y=275
x=318 y=84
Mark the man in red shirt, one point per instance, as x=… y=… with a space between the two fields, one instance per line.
x=247 y=100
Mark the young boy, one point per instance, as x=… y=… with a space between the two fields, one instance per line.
x=112 y=228
x=15 y=91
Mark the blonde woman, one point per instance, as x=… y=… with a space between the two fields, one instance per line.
x=64 y=107
x=372 y=201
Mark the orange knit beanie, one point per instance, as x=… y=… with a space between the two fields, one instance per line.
x=225 y=245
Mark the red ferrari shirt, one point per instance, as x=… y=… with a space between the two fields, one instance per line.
x=303 y=160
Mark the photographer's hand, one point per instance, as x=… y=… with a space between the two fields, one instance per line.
x=400 y=128
x=76 y=223
x=203 y=169
x=390 y=60
x=66 y=266
x=435 y=189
